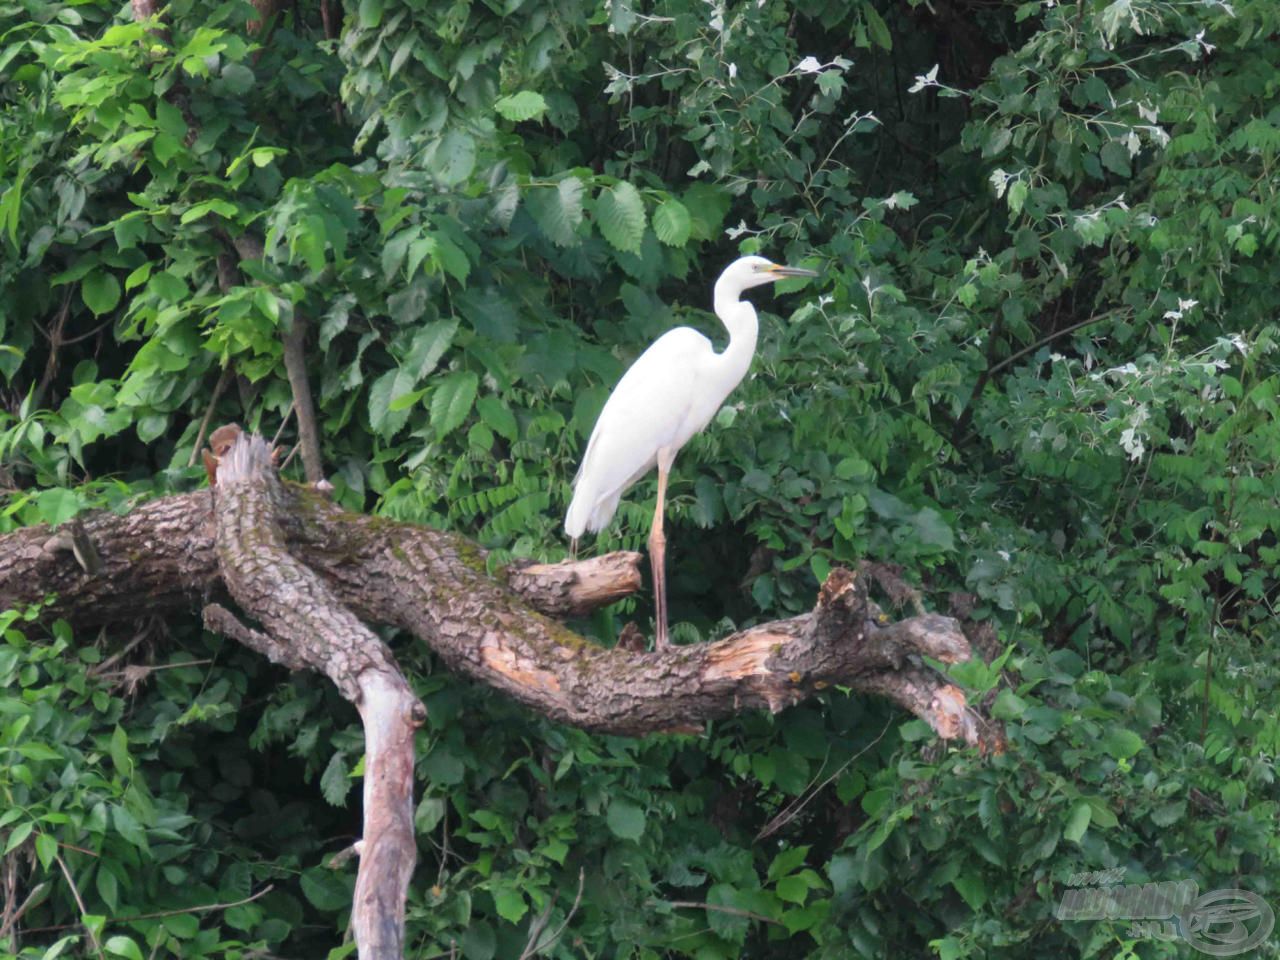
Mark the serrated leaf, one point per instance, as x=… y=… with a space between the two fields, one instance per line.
x=625 y=820
x=524 y=105
x=455 y=157
x=334 y=782
x=385 y=420
x=101 y=292
x=452 y=401
x=558 y=212
x=325 y=889
x=672 y=223
x=429 y=345
x=620 y=217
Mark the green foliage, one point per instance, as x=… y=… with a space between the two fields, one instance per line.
x=1038 y=369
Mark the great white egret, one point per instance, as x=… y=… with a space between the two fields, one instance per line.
x=670 y=393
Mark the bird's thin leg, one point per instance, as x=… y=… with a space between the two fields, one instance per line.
x=658 y=554
x=573 y=548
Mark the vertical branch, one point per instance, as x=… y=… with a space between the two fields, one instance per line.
x=390 y=713
x=295 y=365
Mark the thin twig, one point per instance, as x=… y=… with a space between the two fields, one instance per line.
x=223 y=379
x=283 y=423
x=84 y=912
x=792 y=809
x=572 y=910
x=289 y=458
x=536 y=944
x=163 y=913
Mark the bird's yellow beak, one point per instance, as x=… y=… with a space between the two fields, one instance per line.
x=780 y=271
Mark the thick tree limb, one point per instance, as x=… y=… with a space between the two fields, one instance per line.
x=495 y=628
x=307 y=625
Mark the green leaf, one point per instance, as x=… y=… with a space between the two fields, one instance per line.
x=792 y=890
x=454 y=158
x=625 y=820
x=525 y=105
x=123 y=946
x=972 y=889
x=57 y=505
x=510 y=904
x=46 y=849
x=385 y=417
x=786 y=862
x=671 y=223
x=429 y=814
x=620 y=217
x=1077 y=822
x=1121 y=743
x=452 y=401
x=119 y=750
x=335 y=782
x=499 y=418
x=429 y=345
x=558 y=212
x=17 y=835
x=370 y=13
x=326 y=889
x=876 y=26
x=1017 y=196
x=101 y=292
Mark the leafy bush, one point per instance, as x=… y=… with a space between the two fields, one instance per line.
x=1039 y=369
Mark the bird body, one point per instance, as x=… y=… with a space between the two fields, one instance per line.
x=669 y=394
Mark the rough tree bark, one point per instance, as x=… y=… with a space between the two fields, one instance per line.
x=313 y=575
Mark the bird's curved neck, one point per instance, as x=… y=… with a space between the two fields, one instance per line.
x=739 y=318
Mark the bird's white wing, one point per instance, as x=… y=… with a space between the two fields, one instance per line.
x=652 y=407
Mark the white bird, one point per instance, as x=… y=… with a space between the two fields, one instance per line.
x=670 y=393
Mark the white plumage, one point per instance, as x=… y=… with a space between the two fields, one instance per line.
x=670 y=393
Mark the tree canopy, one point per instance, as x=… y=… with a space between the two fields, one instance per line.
x=1035 y=385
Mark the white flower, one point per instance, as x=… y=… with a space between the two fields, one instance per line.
x=808 y=65
x=929 y=79
x=1130 y=438
x=1000 y=180
x=733 y=70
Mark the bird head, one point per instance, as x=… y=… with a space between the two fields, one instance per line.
x=747 y=272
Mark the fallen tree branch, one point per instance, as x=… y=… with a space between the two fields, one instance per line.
x=497 y=628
